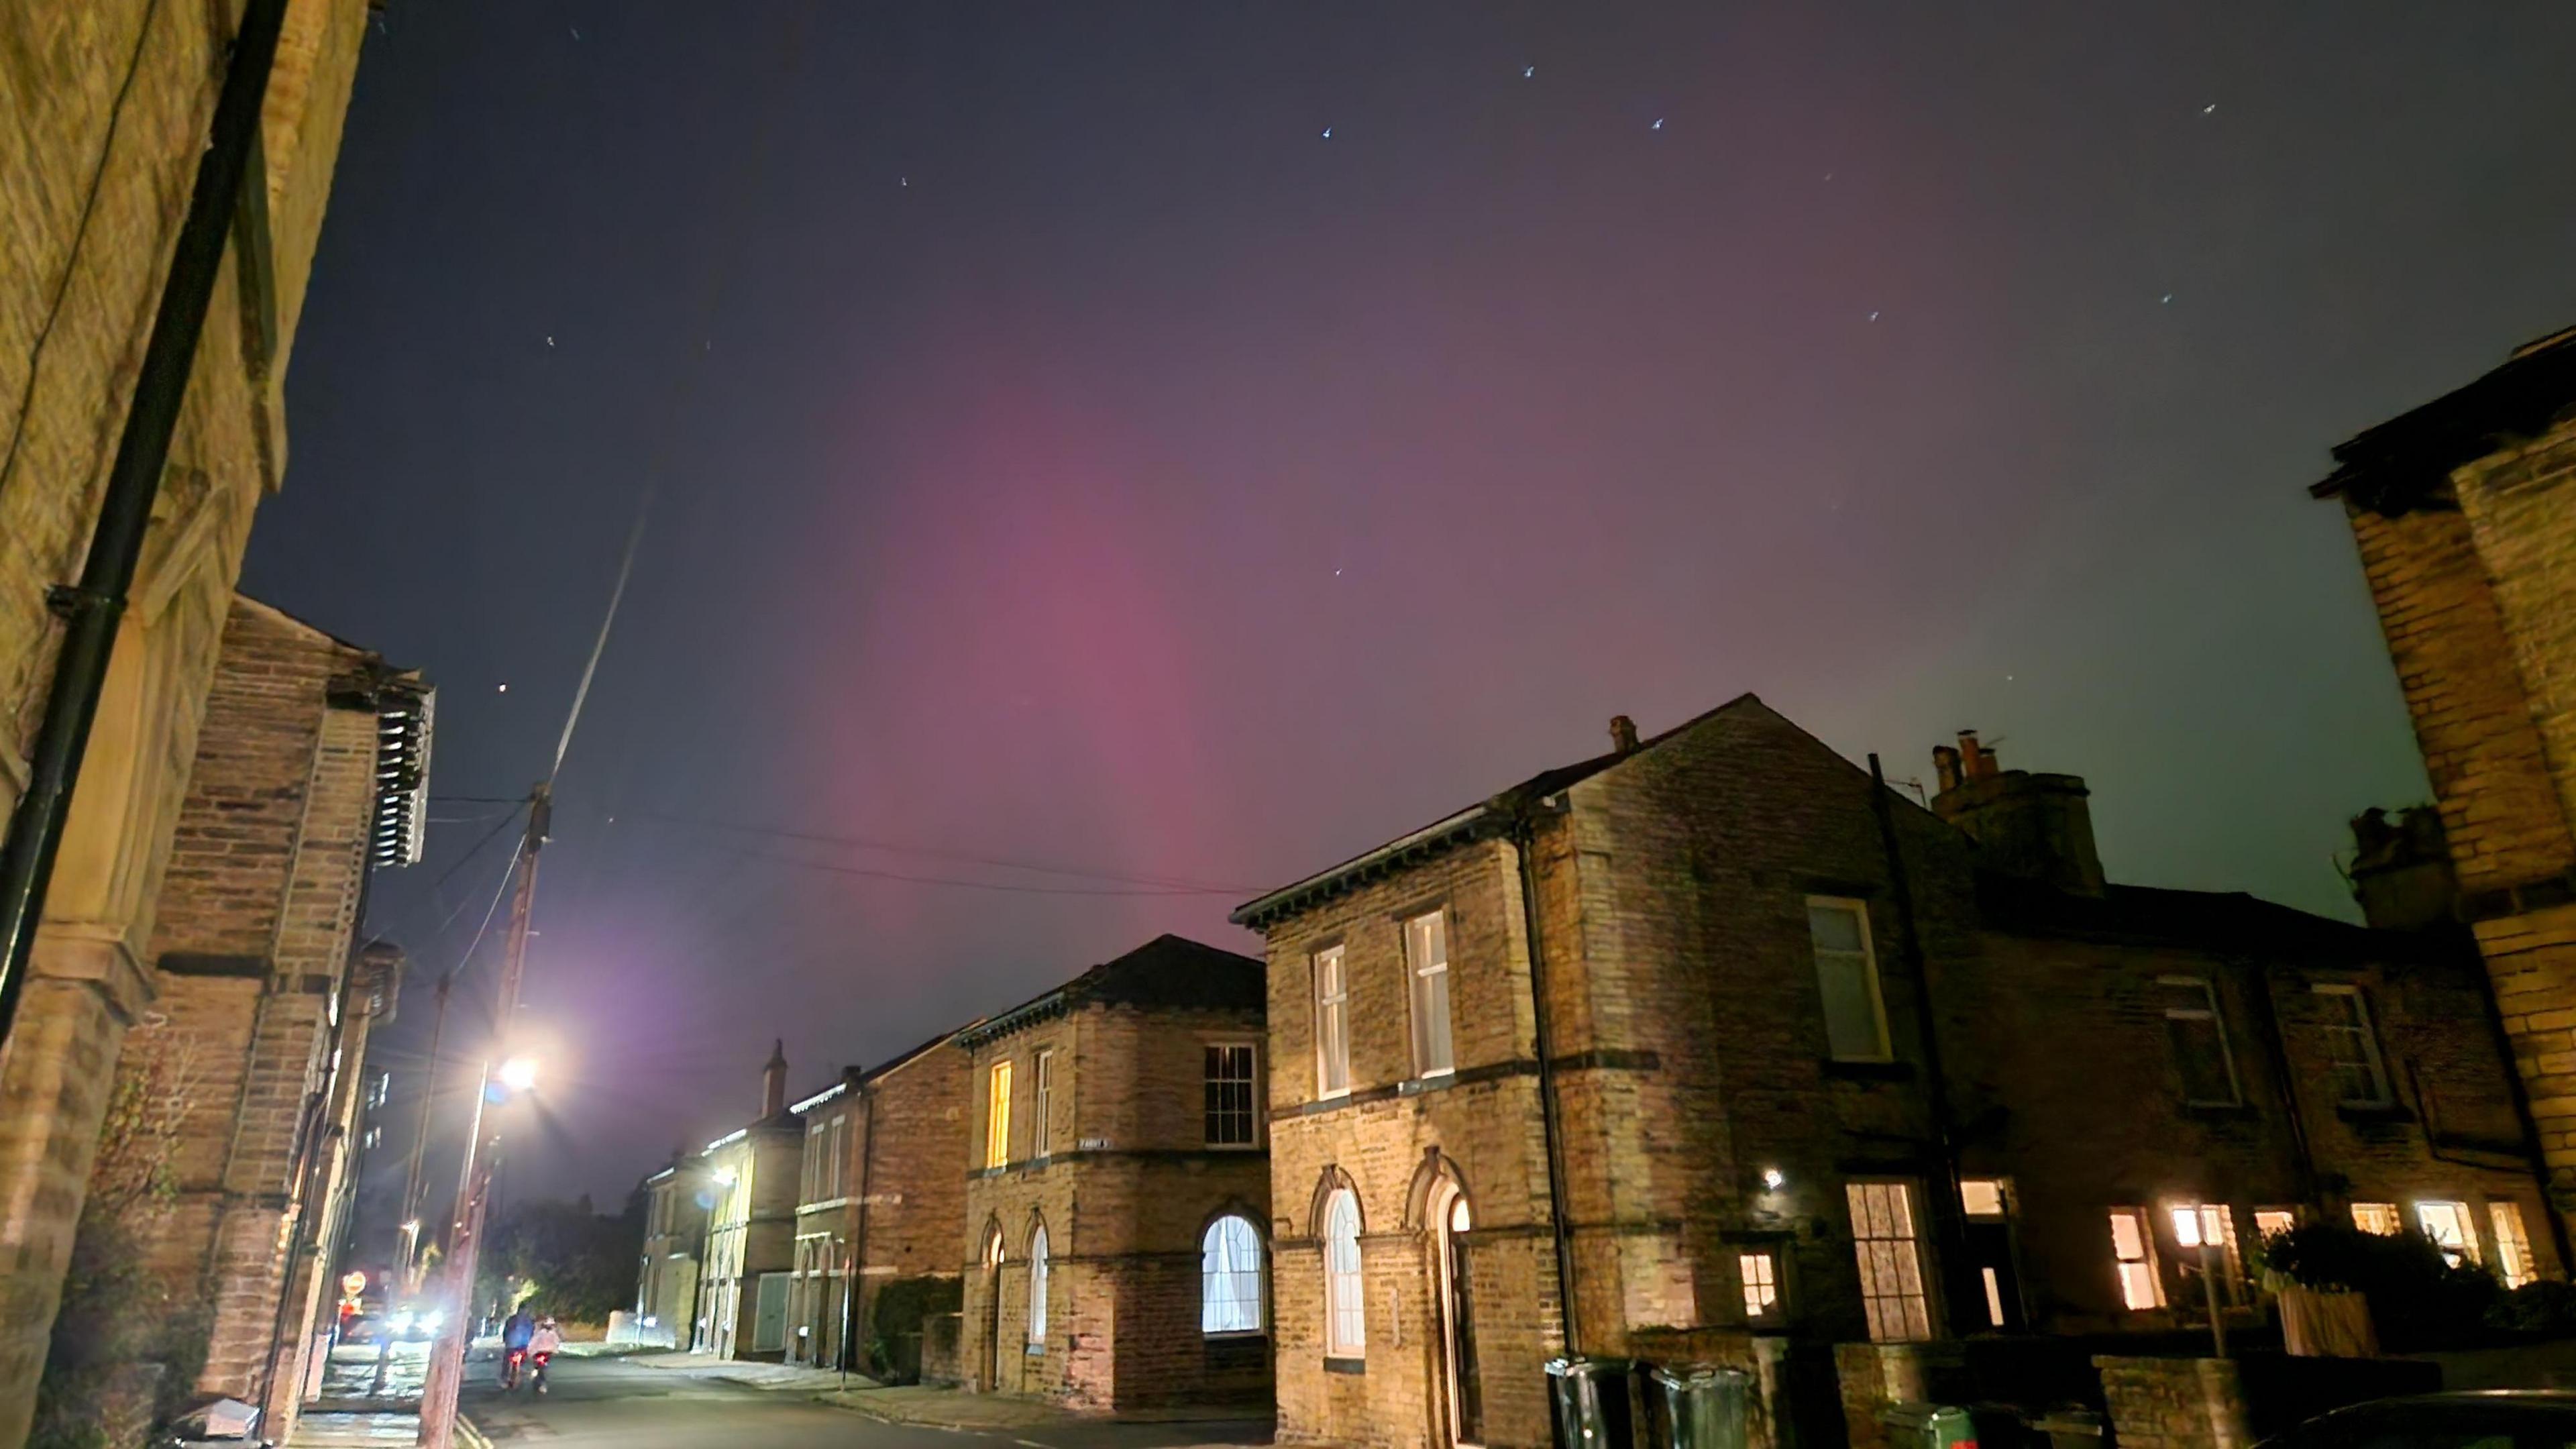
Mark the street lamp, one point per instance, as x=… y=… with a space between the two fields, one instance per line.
x=519 y=1074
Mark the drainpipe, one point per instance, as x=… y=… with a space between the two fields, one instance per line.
x=858 y=1235
x=92 y=608
x=1524 y=834
x=2276 y=1052
x=1949 y=1223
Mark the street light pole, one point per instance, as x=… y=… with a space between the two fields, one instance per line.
x=447 y=1355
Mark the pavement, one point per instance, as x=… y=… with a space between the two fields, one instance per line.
x=682 y=1401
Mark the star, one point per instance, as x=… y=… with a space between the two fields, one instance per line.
x=1528 y=72
x=550 y=339
x=1873 y=316
x=2167 y=301
x=907 y=181
x=576 y=32
x=1328 y=133
x=2210 y=110
x=1659 y=124
x=505 y=689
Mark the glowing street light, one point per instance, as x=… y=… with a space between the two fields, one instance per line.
x=519 y=1074
x=725 y=1177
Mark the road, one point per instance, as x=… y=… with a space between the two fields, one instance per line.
x=602 y=1402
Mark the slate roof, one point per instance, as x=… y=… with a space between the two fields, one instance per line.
x=1482 y=820
x=2229 y=923
x=1169 y=971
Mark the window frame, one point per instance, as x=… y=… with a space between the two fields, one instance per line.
x=1345 y=1290
x=1041 y=1101
x=1816 y=952
x=1419 y=986
x=2396 y=1218
x=1333 y=1007
x=2143 y=1222
x=2364 y=1027
x=2464 y=1219
x=997 y=1114
x=1914 y=1304
x=2216 y=1222
x=1764 y=1295
x=1039 y=1251
x=1209 y=1082
x=1260 y=1278
x=2216 y=1015
x=2513 y=1260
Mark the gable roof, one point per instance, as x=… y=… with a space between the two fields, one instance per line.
x=1481 y=821
x=1168 y=971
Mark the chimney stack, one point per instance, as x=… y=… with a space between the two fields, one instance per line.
x=2027 y=826
x=1623 y=735
x=773 y=1080
x=2401 y=870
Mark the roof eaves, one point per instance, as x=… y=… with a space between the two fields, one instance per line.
x=1477 y=821
x=2400 y=464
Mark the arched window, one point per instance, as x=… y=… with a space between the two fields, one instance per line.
x=1345 y=1298
x=1037 y=1285
x=1230 y=1277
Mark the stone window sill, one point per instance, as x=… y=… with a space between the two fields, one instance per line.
x=1345 y=1365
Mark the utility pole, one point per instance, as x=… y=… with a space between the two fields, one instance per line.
x=482 y=1146
x=411 y=1204
x=92 y=608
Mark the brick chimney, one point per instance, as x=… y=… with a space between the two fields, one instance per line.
x=2027 y=826
x=2401 y=870
x=773 y=1081
x=1623 y=735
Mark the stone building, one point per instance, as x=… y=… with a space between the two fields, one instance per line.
x=111 y=101
x=2465 y=513
x=675 y=1238
x=754 y=1172
x=1737 y=1055
x=311 y=769
x=1118 y=1200
x=2134 y=1072
x=881 y=1192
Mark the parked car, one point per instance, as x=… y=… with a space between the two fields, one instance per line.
x=2494 y=1419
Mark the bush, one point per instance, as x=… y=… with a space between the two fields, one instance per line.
x=2418 y=1300
x=2544 y=1308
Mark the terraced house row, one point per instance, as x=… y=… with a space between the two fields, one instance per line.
x=1715 y=1047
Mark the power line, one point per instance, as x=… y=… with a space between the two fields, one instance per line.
x=986 y=885
x=1176 y=885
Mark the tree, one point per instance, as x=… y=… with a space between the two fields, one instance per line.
x=581 y=1262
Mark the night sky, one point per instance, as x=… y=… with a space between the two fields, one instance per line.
x=1181 y=446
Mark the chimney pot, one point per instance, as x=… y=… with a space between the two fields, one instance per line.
x=773 y=1080
x=1945 y=767
x=1623 y=734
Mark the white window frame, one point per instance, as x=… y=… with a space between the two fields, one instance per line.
x=2149 y=1277
x=1757 y=1271
x=2210 y=1012
x=2191 y=1223
x=1038 y=1287
x=1332 y=1021
x=1042 y=1092
x=1210 y=1273
x=2389 y=1217
x=1345 y=1286
x=2514 y=1262
x=1859 y=910
x=1435 y=1053
x=997 y=1113
x=1252 y=1051
x=1895 y=1278
x=2464 y=1221
x=2365 y=1028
